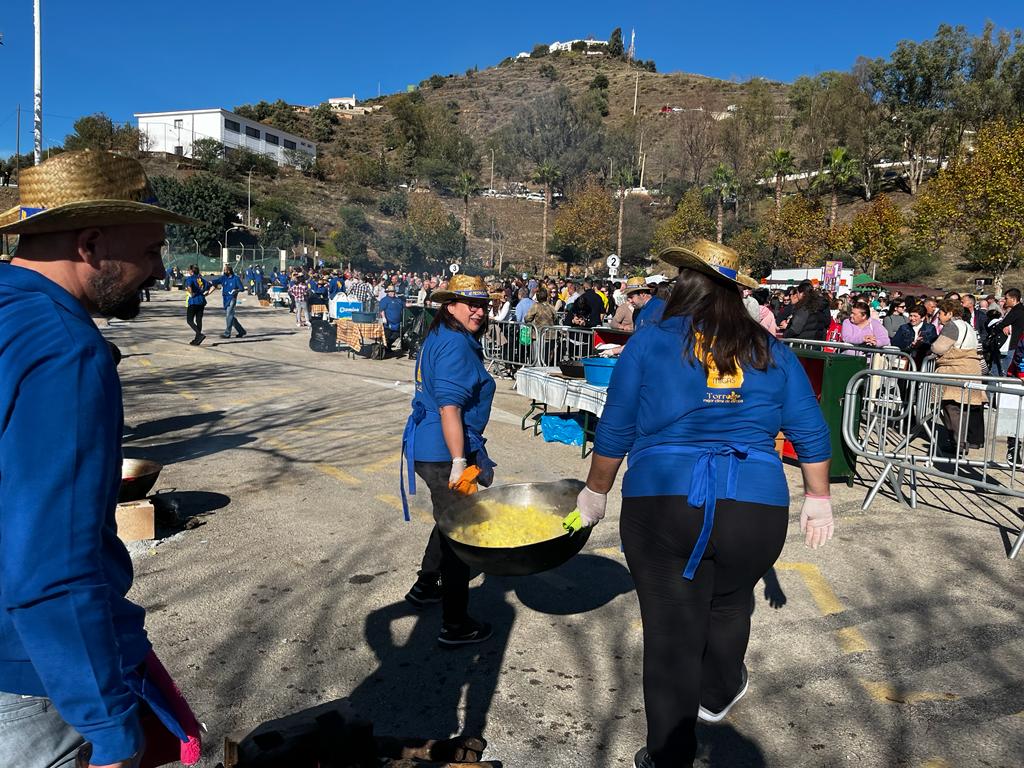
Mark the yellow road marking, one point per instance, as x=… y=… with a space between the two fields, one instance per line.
x=273 y=442
x=887 y=693
x=936 y=762
x=851 y=640
x=393 y=501
x=337 y=474
x=609 y=551
x=384 y=463
x=206 y=408
x=147 y=363
x=824 y=596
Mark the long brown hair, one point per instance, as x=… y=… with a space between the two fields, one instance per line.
x=717 y=313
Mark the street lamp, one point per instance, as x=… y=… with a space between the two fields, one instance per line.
x=248 y=208
x=224 y=256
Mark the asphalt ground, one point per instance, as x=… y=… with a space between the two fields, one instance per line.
x=898 y=644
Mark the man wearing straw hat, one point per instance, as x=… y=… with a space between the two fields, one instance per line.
x=78 y=677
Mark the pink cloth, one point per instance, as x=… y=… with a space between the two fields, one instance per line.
x=767 y=319
x=855 y=334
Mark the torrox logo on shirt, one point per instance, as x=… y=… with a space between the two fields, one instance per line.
x=718 y=380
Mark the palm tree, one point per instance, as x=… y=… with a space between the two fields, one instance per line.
x=840 y=169
x=465 y=185
x=780 y=164
x=547 y=174
x=722 y=185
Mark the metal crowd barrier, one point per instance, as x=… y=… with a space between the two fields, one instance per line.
x=565 y=342
x=943 y=437
x=504 y=350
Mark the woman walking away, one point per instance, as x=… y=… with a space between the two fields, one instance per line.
x=196 y=288
x=696 y=402
x=443 y=443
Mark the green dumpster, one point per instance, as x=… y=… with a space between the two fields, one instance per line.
x=829 y=374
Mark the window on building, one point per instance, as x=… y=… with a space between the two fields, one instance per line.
x=250 y=131
x=178 y=123
x=232 y=125
x=271 y=138
x=289 y=144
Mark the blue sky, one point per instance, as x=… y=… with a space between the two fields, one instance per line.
x=121 y=56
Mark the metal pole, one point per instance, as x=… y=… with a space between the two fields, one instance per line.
x=38 y=99
x=17 y=146
x=248 y=207
x=492 y=170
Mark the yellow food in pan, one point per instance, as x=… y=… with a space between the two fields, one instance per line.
x=506 y=525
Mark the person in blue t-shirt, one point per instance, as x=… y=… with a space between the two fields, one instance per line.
x=335 y=285
x=196 y=288
x=230 y=286
x=443 y=443
x=696 y=402
x=391 y=308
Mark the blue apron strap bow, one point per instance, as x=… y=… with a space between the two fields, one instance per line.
x=704 y=493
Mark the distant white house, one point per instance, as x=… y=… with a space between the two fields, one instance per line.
x=568 y=44
x=176 y=132
x=344 y=102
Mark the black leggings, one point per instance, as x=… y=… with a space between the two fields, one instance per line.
x=695 y=632
x=194 y=318
x=439 y=558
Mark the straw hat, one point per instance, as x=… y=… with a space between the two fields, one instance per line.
x=713 y=259
x=462 y=287
x=84 y=189
x=635 y=285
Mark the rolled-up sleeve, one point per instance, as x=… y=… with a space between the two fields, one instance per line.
x=57 y=463
x=802 y=421
x=616 y=432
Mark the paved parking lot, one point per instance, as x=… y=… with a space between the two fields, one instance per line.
x=898 y=644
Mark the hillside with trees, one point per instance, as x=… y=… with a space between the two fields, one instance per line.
x=552 y=161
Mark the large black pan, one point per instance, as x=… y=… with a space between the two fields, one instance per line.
x=519 y=561
x=138 y=476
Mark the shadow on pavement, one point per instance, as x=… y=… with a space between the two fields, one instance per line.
x=722 y=745
x=159 y=427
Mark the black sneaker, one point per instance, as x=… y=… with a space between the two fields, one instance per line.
x=642 y=759
x=464 y=634
x=708 y=716
x=426 y=591
x=242 y=335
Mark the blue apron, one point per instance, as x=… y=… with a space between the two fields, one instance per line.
x=406 y=464
x=703 y=490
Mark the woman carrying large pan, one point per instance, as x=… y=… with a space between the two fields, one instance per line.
x=696 y=402
x=443 y=443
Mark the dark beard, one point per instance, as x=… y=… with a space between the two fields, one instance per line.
x=113 y=298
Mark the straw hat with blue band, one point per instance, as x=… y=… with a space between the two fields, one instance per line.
x=465 y=288
x=713 y=259
x=74 y=190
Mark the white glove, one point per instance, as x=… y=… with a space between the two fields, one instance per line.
x=591 y=505
x=816 y=520
x=458 y=467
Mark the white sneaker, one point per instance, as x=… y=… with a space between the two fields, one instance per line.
x=708 y=716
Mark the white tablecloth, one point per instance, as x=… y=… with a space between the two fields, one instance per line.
x=538 y=384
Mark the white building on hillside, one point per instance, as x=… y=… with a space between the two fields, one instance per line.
x=176 y=132
x=344 y=102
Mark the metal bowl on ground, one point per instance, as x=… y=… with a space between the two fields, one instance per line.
x=138 y=476
x=559 y=497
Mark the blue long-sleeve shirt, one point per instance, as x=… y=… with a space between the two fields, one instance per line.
x=650 y=313
x=67 y=631
x=656 y=397
x=450 y=371
x=230 y=286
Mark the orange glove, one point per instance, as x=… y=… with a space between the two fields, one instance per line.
x=466 y=484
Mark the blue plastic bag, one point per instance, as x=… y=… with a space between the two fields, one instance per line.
x=564 y=428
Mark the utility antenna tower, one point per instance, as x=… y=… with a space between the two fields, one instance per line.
x=631 y=53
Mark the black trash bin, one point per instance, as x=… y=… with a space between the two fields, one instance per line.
x=324 y=336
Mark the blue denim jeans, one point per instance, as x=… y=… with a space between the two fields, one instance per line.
x=34 y=735
x=230 y=321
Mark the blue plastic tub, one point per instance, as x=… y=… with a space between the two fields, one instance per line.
x=598 y=370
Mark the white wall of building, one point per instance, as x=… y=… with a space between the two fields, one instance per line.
x=175 y=132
